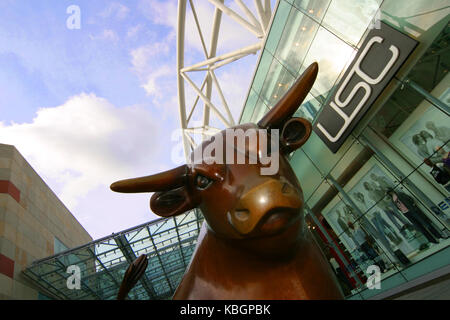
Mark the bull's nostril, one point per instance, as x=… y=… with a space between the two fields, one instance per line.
x=285 y=188
x=241 y=215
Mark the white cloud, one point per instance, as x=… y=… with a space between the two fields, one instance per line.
x=85 y=143
x=107 y=34
x=232 y=35
x=160 y=12
x=115 y=10
x=134 y=31
x=143 y=58
x=155 y=72
x=152 y=86
x=155 y=65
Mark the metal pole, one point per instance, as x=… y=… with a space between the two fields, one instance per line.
x=436 y=102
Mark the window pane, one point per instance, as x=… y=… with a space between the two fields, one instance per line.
x=260 y=110
x=314 y=8
x=309 y=108
x=419 y=18
x=419 y=131
x=250 y=104
x=306 y=172
x=277 y=26
x=263 y=67
x=349 y=19
x=278 y=81
x=296 y=39
x=331 y=62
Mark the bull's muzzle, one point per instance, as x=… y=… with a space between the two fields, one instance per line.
x=268 y=207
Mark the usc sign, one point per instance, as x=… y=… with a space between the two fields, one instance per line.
x=381 y=55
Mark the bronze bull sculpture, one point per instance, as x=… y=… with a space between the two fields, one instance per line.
x=255 y=243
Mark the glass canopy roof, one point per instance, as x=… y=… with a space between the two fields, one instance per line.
x=168 y=244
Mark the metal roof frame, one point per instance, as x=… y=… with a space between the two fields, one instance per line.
x=168 y=244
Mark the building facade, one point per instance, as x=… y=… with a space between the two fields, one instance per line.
x=34 y=224
x=381 y=197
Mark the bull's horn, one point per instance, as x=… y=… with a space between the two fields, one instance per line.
x=290 y=102
x=162 y=181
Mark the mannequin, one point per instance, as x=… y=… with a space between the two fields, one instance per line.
x=379 y=223
x=344 y=227
x=408 y=207
x=363 y=243
x=350 y=213
x=400 y=222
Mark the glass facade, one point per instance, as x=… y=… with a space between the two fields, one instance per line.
x=168 y=244
x=383 y=198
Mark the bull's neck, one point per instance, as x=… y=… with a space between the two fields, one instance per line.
x=220 y=270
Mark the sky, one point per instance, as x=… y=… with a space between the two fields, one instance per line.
x=91 y=105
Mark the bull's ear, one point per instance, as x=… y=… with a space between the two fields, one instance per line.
x=172 y=202
x=295 y=133
x=291 y=101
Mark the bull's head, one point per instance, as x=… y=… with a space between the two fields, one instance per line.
x=263 y=213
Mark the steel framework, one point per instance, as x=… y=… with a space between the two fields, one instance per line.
x=257 y=24
x=168 y=244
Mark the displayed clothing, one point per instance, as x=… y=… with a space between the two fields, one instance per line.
x=350 y=213
x=343 y=226
x=421 y=222
x=375 y=193
x=402 y=257
x=380 y=234
x=395 y=218
x=439 y=174
x=334 y=264
x=361 y=238
x=373 y=255
x=340 y=274
x=385 y=229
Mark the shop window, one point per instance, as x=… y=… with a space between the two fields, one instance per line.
x=415 y=122
x=371 y=227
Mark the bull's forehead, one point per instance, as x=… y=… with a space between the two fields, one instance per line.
x=242 y=139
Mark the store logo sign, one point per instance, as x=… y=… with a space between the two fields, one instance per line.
x=381 y=55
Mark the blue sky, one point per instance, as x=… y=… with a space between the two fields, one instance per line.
x=92 y=105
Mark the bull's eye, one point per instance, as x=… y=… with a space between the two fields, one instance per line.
x=203 y=182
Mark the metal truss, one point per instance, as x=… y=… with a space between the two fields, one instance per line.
x=257 y=23
x=168 y=244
